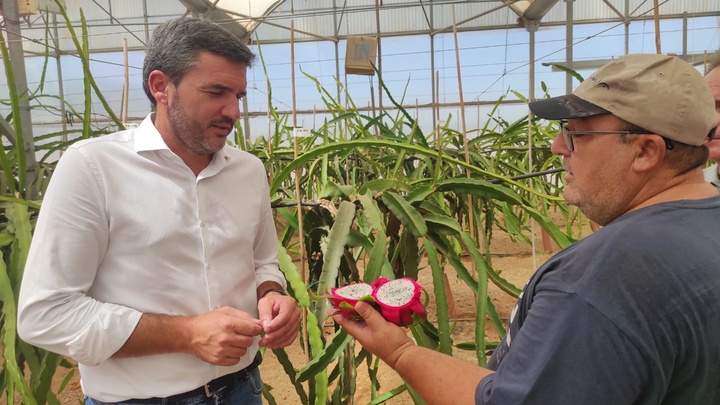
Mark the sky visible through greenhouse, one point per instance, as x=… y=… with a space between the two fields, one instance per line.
x=492 y=64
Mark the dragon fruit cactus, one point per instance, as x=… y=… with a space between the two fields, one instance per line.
x=398 y=300
x=345 y=298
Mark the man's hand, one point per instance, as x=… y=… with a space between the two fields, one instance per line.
x=222 y=337
x=280 y=319
x=378 y=336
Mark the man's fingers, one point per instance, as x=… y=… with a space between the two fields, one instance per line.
x=236 y=313
x=366 y=311
x=247 y=328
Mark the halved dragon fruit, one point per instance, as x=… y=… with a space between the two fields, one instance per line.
x=344 y=298
x=399 y=300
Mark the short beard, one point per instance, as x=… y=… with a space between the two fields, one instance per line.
x=188 y=132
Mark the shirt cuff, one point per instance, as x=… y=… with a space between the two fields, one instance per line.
x=105 y=335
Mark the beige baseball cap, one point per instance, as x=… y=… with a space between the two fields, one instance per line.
x=660 y=93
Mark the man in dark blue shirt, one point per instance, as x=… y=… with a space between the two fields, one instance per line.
x=630 y=314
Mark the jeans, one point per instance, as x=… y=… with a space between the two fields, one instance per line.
x=246 y=391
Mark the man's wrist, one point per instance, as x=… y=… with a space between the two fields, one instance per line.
x=271 y=290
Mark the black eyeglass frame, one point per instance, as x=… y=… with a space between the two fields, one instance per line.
x=568 y=134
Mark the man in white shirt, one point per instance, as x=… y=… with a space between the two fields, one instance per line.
x=713 y=80
x=154 y=260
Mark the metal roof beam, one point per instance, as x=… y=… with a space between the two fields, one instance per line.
x=594 y=64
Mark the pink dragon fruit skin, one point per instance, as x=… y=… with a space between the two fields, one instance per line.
x=377 y=283
x=399 y=300
x=344 y=298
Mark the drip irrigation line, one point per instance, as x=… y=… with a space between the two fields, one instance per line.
x=529 y=175
x=288 y=204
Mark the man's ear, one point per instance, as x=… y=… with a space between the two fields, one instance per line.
x=159 y=84
x=651 y=153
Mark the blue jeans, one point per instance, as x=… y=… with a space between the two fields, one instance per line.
x=246 y=391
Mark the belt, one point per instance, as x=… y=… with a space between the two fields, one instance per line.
x=208 y=389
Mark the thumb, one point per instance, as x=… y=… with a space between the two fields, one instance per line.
x=368 y=313
x=265 y=310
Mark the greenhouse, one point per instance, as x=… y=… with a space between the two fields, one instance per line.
x=413 y=155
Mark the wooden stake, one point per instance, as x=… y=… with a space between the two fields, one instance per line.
x=448 y=290
x=372 y=105
x=471 y=208
x=437 y=108
x=657 y=27
x=126 y=84
x=379 y=53
x=298 y=197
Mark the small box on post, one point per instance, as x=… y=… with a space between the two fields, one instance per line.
x=31 y=7
x=360 y=55
x=27 y=7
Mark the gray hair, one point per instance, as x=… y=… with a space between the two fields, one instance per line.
x=175 y=45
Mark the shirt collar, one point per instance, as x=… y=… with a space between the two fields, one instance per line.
x=148 y=138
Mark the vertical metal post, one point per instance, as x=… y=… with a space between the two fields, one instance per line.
x=379 y=55
x=17 y=61
x=685 y=36
x=433 y=80
x=531 y=28
x=656 y=13
x=569 y=37
x=627 y=27
x=61 y=87
x=337 y=49
x=146 y=21
x=433 y=75
x=246 y=122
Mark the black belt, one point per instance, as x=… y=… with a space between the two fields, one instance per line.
x=207 y=389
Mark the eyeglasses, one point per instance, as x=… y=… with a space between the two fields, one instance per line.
x=568 y=134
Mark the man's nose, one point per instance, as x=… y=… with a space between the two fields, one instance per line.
x=559 y=147
x=232 y=109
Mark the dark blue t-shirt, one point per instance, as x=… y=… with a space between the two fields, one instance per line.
x=627 y=315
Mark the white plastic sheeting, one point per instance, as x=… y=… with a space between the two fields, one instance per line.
x=248 y=12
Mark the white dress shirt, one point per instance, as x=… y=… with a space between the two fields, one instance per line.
x=126 y=228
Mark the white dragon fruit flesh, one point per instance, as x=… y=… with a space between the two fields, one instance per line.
x=398 y=300
x=345 y=298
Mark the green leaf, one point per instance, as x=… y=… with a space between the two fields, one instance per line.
x=406 y=213
x=480 y=188
x=9 y=337
x=337 y=239
x=420 y=193
x=380 y=185
x=441 y=300
x=555 y=233
x=565 y=69
x=320 y=363
x=372 y=212
x=287 y=365
x=444 y=224
x=378 y=260
x=318 y=151
x=388 y=395
x=358 y=239
x=481 y=264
